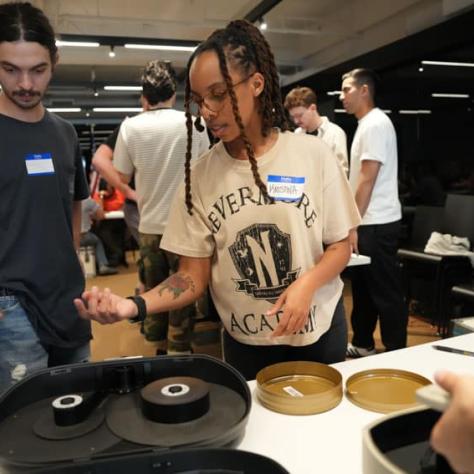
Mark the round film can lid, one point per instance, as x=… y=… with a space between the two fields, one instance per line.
x=299 y=388
x=384 y=390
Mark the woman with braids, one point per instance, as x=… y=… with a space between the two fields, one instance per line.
x=263 y=217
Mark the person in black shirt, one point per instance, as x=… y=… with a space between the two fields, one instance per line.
x=41 y=185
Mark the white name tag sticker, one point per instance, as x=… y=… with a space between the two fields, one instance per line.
x=38 y=164
x=292 y=391
x=285 y=188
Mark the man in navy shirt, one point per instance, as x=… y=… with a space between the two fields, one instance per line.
x=42 y=182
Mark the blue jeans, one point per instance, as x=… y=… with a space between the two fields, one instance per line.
x=21 y=352
x=89 y=238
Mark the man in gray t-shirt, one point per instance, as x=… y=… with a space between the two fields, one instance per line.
x=42 y=182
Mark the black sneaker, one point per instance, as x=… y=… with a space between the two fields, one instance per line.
x=356 y=352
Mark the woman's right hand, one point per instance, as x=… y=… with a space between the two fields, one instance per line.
x=104 y=306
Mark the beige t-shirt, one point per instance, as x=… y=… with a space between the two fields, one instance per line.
x=259 y=249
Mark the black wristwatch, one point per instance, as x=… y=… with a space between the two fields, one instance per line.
x=141 y=306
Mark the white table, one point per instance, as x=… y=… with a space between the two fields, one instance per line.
x=331 y=442
x=114 y=215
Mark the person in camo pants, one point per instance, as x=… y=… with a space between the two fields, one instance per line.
x=195 y=328
x=151 y=147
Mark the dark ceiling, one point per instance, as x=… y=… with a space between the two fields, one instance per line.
x=403 y=85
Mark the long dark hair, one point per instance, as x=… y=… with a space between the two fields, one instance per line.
x=243 y=46
x=23 y=21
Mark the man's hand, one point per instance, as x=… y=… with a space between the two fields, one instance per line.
x=104 y=306
x=130 y=193
x=453 y=435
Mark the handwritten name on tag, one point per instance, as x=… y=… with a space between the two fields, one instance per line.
x=285 y=188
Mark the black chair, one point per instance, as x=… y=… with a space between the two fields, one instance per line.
x=462 y=300
x=431 y=277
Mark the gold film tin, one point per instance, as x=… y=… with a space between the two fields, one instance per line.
x=384 y=390
x=299 y=388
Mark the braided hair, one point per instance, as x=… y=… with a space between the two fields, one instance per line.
x=243 y=46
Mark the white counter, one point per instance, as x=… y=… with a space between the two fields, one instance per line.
x=331 y=442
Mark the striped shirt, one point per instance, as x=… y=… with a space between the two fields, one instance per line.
x=152 y=146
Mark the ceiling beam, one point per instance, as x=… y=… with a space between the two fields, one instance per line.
x=261 y=9
x=121 y=40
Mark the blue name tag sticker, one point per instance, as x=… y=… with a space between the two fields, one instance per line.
x=39 y=164
x=285 y=188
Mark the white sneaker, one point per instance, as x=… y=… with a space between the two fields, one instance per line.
x=356 y=352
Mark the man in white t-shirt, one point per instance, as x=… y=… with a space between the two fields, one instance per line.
x=152 y=147
x=301 y=105
x=376 y=288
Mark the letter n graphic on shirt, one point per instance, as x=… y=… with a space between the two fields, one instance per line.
x=261 y=255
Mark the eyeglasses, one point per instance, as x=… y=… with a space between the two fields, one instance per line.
x=214 y=100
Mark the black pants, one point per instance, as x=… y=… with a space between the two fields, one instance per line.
x=330 y=348
x=377 y=290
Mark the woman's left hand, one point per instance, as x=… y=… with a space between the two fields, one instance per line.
x=293 y=305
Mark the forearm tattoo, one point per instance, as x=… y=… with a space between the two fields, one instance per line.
x=177 y=284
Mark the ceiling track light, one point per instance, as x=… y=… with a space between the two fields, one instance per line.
x=79 y=44
x=262 y=24
x=446 y=95
x=161 y=47
x=447 y=63
x=98 y=132
x=112 y=52
x=117 y=109
x=64 y=109
x=123 y=88
x=414 y=112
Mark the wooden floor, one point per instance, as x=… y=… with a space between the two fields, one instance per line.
x=125 y=339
